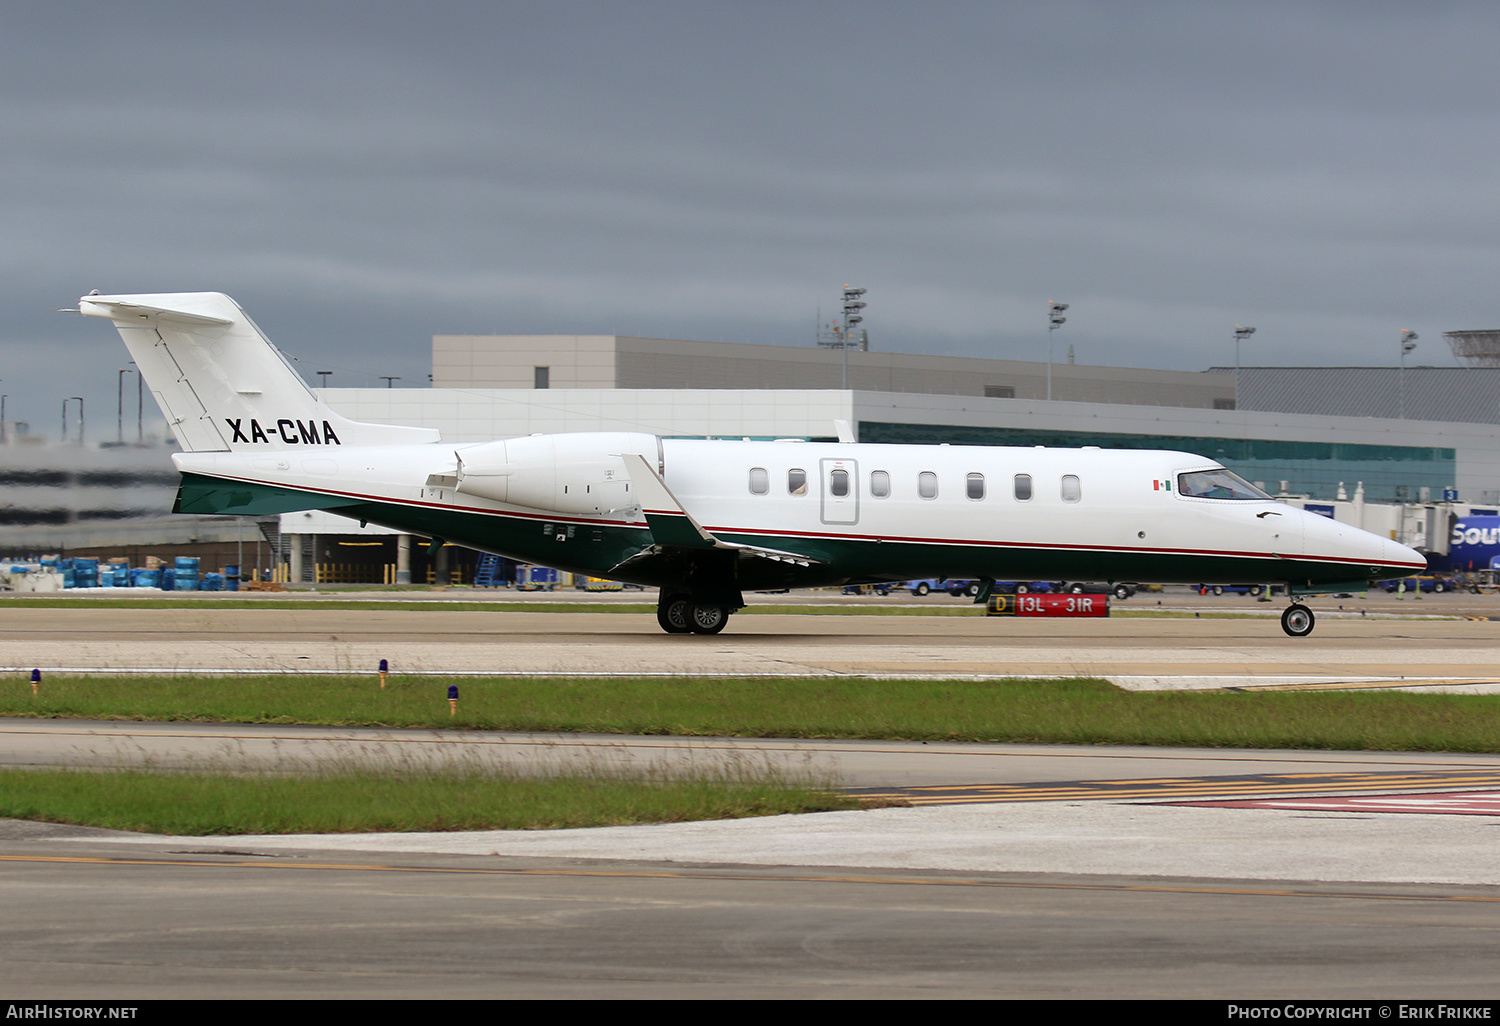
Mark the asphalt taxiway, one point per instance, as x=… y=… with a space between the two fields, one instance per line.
x=1086 y=876
x=1231 y=641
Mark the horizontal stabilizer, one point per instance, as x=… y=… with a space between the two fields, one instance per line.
x=120 y=310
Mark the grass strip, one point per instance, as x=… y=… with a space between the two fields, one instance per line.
x=1033 y=711
x=346 y=802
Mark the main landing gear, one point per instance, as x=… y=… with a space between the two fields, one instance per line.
x=1298 y=620
x=679 y=614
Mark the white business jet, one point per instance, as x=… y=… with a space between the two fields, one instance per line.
x=705 y=521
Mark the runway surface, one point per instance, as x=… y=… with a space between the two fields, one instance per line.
x=1209 y=651
x=1085 y=878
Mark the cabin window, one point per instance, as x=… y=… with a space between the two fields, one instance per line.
x=974 y=486
x=1072 y=491
x=796 y=482
x=927 y=484
x=880 y=484
x=1217 y=484
x=1023 y=487
x=760 y=481
x=838 y=483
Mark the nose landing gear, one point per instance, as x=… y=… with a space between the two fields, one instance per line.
x=1298 y=620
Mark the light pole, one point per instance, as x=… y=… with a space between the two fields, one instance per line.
x=1408 y=343
x=1055 y=320
x=1241 y=332
x=323 y=378
x=120 y=409
x=388 y=378
x=65 y=417
x=140 y=433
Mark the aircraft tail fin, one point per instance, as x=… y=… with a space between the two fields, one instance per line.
x=222 y=385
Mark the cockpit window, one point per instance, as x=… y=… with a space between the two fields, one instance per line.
x=1217 y=484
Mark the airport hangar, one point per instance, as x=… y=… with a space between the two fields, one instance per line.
x=1383 y=473
x=1325 y=436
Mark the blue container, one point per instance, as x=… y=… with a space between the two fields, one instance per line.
x=168 y=582
x=186 y=576
x=213 y=582
x=232 y=578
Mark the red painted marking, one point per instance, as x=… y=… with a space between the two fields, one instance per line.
x=1453 y=803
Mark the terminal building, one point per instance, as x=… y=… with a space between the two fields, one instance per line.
x=1400 y=452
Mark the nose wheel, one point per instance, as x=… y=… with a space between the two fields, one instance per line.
x=1298 y=620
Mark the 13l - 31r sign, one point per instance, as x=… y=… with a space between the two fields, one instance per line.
x=1048 y=605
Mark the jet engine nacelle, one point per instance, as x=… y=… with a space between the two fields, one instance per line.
x=572 y=473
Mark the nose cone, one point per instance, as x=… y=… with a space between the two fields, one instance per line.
x=1360 y=553
x=1400 y=560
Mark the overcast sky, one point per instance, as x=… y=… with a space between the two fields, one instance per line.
x=361 y=176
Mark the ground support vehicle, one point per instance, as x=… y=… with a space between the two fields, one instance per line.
x=953 y=586
x=537 y=578
x=1119 y=591
x=1422 y=582
x=1254 y=590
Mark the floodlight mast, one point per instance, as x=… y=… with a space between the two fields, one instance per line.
x=1408 y=343
x=1241 y=332
x=852 y=307
x=1475 y=348
x=1055 y=320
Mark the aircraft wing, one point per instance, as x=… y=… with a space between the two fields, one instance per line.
x=674 y=527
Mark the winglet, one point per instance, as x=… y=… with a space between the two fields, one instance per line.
x=674 y=526
x=670 y=524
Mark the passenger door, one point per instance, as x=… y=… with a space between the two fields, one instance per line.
x=840 y=491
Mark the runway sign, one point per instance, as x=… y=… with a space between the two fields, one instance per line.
x=1048 y=605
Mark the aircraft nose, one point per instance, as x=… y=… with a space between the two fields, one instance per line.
x=1401 y=558
x=1365 y=554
